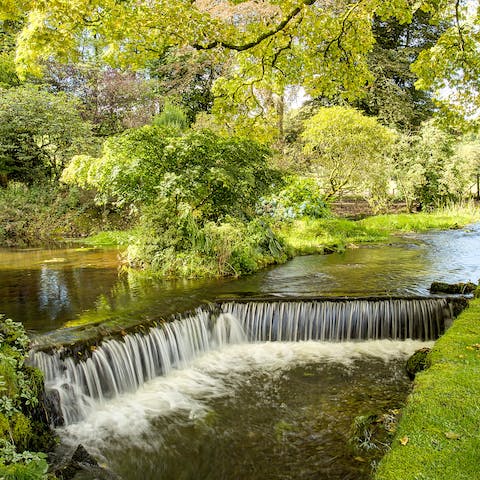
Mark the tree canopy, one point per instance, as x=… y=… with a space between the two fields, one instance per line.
x=39 y=133
x=214 y=176
x=348 y=151
x=320 y=44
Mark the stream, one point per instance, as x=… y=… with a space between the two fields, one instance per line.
x=239 y=409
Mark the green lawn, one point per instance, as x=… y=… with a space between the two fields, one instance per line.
x=439 y=434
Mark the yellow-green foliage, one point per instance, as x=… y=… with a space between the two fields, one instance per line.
x=308 y=235
x=438 y=437
x=8 y=378
x=20 y=430
x=4 y=426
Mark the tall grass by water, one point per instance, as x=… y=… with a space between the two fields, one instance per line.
x=452 y=216
x=235 y=249
x=309 y=235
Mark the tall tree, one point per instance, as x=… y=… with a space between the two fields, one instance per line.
x=8 y=31
x=348 y=152
x=321 y=44
x=187 y=77
x=39 y=133
x=112 y=100
x=392 y=97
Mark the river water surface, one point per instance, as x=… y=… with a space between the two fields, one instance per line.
x=44 y=289
x=270 y=410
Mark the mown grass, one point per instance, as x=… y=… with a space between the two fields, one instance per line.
x=439 y=434
x=307 y=235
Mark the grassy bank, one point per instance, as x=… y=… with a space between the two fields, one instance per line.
x=439 y=437
x=308 y=235
x=236 y=248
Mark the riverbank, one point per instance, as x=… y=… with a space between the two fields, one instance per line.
x=438 y=436
x=238 y=249
x=307 y=236
x=47 y=214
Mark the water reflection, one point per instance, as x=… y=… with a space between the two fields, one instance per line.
x=46 y=288
x=52 y=292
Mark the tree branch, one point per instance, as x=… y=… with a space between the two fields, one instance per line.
x=263 y=36
x=459 y=27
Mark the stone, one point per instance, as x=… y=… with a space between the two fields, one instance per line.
x=417 y=362
x=454 y=288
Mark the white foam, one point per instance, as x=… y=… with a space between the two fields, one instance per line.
x=215 y=374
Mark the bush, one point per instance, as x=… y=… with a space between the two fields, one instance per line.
x=301 y=197
x=181 y=247
x=215 y=176
x=46 y=213
x=20 y=389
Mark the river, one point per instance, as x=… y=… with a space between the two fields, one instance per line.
x=47 y=288
x=242 y=410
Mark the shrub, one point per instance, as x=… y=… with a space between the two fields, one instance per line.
x=301 y=197
x=20 y=389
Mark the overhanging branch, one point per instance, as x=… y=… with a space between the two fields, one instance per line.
x=263 y=36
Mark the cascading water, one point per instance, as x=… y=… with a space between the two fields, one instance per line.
x=341 y=320
x=119 y=366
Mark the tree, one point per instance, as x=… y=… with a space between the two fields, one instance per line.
x=214 y=176
x=39 y=133
x=110 y=99
x=322 y=45
x=431 y=168
x=8 y=31
x=392 y=96
x=348 y=151
x=451 y=67
x=187 y=76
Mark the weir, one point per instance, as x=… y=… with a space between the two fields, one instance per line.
x=76 y=386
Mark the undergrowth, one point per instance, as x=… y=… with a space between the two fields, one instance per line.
x=170 y=246
x=23 y=426
x=46 y=214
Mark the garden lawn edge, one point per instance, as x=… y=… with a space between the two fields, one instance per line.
x=438 y=437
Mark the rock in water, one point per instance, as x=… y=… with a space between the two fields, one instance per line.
x=462 y=288
x=417 y=362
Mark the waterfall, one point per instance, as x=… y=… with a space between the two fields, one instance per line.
x=77 y=386
x=342 y=319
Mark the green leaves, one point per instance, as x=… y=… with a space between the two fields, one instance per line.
x=348 y=151
x=39 y=133
x=216 y=176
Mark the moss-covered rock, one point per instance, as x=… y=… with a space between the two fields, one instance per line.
x=371 y=435
x=453 y=288
x=417 y=362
